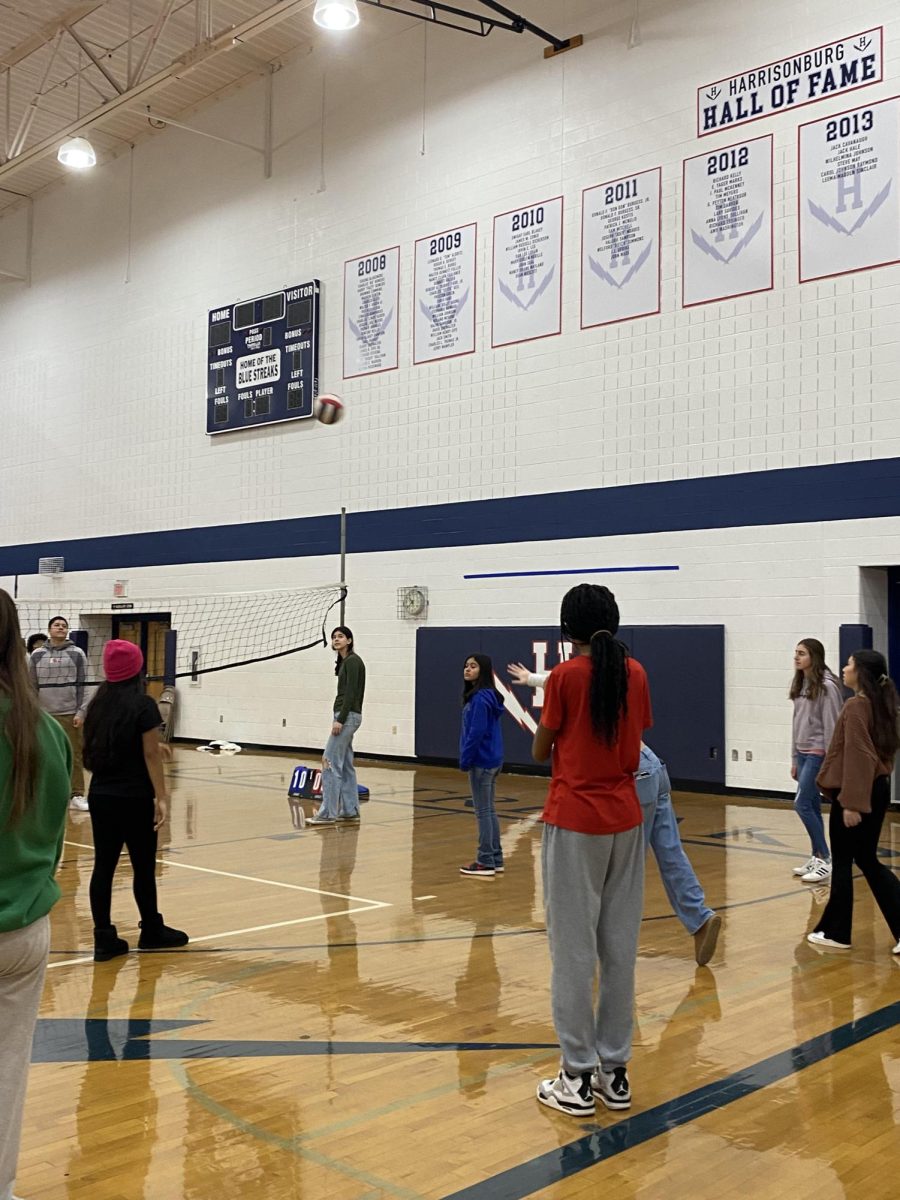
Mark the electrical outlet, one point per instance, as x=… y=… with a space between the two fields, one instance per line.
x=393 y=729
x=735 y=756
x=221 y=718
x=748 y=754
x=284 y=722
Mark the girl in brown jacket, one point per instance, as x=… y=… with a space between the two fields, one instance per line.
x=856 y=776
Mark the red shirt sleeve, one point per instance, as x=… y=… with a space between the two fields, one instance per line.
x=646 y=711
x=553 y=711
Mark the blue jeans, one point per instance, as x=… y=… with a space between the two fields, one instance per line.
x=808 y=804
x=482 y=781
x=340 y=794
x=682 y=885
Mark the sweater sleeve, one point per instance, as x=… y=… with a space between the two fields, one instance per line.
x=80 y=706
x=537 y=679
x=860 y=764
x=832 y=703
x=475 y=726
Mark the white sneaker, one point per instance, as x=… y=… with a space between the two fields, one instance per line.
x=612 y=1087
x=819 y=939
x=570 y=1094
x=807 y=866
x=896 y=949
x=79 y=802
x=819 y=871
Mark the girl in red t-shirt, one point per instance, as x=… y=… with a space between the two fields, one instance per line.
x=596 y=707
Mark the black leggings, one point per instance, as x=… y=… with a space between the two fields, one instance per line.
x=859 y=844
x=117 y=822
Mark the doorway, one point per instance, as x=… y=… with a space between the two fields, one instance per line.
x=149 y=632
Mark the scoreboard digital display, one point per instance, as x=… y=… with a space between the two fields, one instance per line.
x=263 y=360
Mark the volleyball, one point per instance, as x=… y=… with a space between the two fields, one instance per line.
x=329 y=409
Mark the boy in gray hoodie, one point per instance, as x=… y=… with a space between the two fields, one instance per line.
x=58 y=672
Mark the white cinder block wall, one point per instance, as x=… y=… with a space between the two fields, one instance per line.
x=102 y=397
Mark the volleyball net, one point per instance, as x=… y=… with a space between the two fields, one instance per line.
x=186 y=637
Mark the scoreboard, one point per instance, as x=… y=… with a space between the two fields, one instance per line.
x=263 y=360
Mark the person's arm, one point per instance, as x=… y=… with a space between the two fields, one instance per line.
x=832 y=703
x=80 y=705
x=475 y=725
x=542 y=746
x=794 y=741
x=154 y=760
x=552 y=718
x=60 y=841
x=351 y=690
x=859 y=766
x=520 y=674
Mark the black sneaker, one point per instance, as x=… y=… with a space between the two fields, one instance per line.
x=612 y=1087
x=570 y=1094
x=477 y=870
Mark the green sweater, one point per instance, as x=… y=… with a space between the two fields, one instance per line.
x=30 y=850
x=351 y=687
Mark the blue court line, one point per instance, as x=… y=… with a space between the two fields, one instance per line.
x=579 y=571
x=97 y=1039
x=601 y=1144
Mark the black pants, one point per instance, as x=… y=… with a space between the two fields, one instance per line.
x=118 y=822
x=859 y=845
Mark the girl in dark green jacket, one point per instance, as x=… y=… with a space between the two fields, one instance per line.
x=35 y=762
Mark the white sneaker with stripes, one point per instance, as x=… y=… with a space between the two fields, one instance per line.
x=818 y=872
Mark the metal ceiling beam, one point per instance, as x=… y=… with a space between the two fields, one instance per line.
x=220 y=43
x=162 y=17
x=48 y=31
x=98 y=63
x=28 y=115
x=480 y=25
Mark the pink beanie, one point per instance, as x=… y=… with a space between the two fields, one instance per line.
x=122 y=660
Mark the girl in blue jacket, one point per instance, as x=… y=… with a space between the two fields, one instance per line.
x=481 y=754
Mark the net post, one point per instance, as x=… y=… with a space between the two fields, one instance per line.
x=343 y=564
x=170 y=649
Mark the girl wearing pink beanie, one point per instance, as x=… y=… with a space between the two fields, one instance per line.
x=128 y=800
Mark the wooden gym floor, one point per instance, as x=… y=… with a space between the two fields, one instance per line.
x=353 y=1020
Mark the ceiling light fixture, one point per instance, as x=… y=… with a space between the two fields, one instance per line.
x=78 y=153
x=336 y=14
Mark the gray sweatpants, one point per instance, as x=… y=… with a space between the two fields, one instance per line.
x=23 y=960
x=594 y=897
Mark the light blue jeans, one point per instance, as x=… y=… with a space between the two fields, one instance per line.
x=482 y=781
x=340 y=795
x=808 y=804
x=682 y=885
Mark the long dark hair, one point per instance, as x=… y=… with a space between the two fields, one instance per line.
x=878 y=688
x=21 y=722
x=348 y=634
x=818 y=673
x=485 y=679
x=589 y=615
x=110 y=721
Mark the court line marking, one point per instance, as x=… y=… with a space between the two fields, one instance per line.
x=294 y=887
x=363 y=904
x=344 y=912
x=214 y=937
x=601 y=1143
